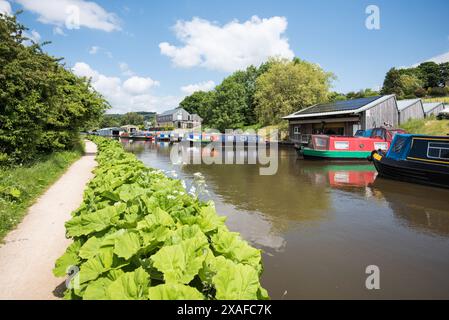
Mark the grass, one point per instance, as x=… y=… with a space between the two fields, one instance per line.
x=21 y=186
x=441 y=99
x=429 y=126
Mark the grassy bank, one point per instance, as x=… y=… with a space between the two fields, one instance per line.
x=21 y=186
x=140 y=235
x=427 y=126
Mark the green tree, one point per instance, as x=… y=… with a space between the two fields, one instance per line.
x=289 y=86
x=199 y=102
x=229 y=102
x=43 y=106
x=132 y=118
x=430 y=74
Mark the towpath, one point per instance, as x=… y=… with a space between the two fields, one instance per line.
x=29 y=253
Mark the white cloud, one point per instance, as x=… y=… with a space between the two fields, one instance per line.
x=72 y=14
x=5 y=8
x=34 y=36
x=202 y=86
x=126 y=71
x=94 y=50
x=131 y=95
x=438 y=59
x=59 y=31
x=229 y=47
x=138 y=85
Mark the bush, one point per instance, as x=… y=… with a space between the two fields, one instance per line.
x=437 y=92
x=138 y=235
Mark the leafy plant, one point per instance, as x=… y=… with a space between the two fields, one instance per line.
x=140 y=235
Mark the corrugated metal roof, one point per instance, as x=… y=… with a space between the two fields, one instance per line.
x=339 y=107
x=404 y=104
x=169 y=112
x=429 y=106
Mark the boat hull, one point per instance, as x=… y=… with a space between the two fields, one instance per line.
x=313 y=154
x=412 y=171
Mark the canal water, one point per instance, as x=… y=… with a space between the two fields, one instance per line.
x=321 y=224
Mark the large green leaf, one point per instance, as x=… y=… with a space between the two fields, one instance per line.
x=180 y=263
x=68 y=259
x=130 y=286
x=127 y=245
x=174 y=291
x=90 y=248
x=230 y=245
x=209 y=220
x=97 y=290
x=92 y=222
x=235 y=281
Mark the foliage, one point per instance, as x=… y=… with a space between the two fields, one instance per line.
x=138 y=235
x=132 y=118
x=289 y=86
x=200 y=103
x=428 y=78
x=21 y=185
x=428 y=126
x=43 y=106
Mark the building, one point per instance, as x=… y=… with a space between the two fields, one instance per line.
x=130 y=129
x=109 y=132
x=343 y=117
x=433 y=108
x=410 y=109
x=178 y=119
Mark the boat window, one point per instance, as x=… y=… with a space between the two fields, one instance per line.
x=438 y=151
x=399 y=144
x=341 y=145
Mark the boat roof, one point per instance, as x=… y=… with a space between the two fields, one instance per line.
x=339 y=107
x=404 y=104
x=429 y=106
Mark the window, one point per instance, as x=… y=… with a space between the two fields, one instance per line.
x=341 y=145
x=296 y=130
x=438 y=151
x=380 y=146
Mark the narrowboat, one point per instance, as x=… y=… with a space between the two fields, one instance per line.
x=348 y=148
x=163 y=136
x=415 y=158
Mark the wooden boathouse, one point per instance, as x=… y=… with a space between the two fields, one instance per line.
x=410 y=109
x=343 y=117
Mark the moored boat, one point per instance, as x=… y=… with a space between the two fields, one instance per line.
x=348 y=148
x=417 y=159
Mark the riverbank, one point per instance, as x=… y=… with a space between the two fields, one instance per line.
x=27 y=257
x=20 y=186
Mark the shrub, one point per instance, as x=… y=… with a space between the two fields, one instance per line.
x=138 y=235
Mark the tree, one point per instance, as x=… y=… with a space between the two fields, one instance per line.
x=392 y=83
x=444 y=74
x=43 y=106
x=199 y=102
x=228 y=105
x=132 y=118
x=289 y=86
x=430 y=75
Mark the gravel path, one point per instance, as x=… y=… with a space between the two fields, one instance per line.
x=30 y=251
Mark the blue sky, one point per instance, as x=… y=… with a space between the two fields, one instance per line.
x=147 y=55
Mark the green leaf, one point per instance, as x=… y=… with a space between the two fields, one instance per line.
x=180 y=263
x=174 y=291
x=68 y=259
x=15 y=193
x=230 y=245
x=97 y=290
x=127 y=245
x=92 y=222
x=90 y=248
x=130 y=286
x=209 y=220
x=235 y=281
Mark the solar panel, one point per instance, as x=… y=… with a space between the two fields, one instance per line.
x=346 y=105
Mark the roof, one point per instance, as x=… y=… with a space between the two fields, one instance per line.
x=340 y=107
x=170 y=112
x=404 y=104
x=429 y=106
